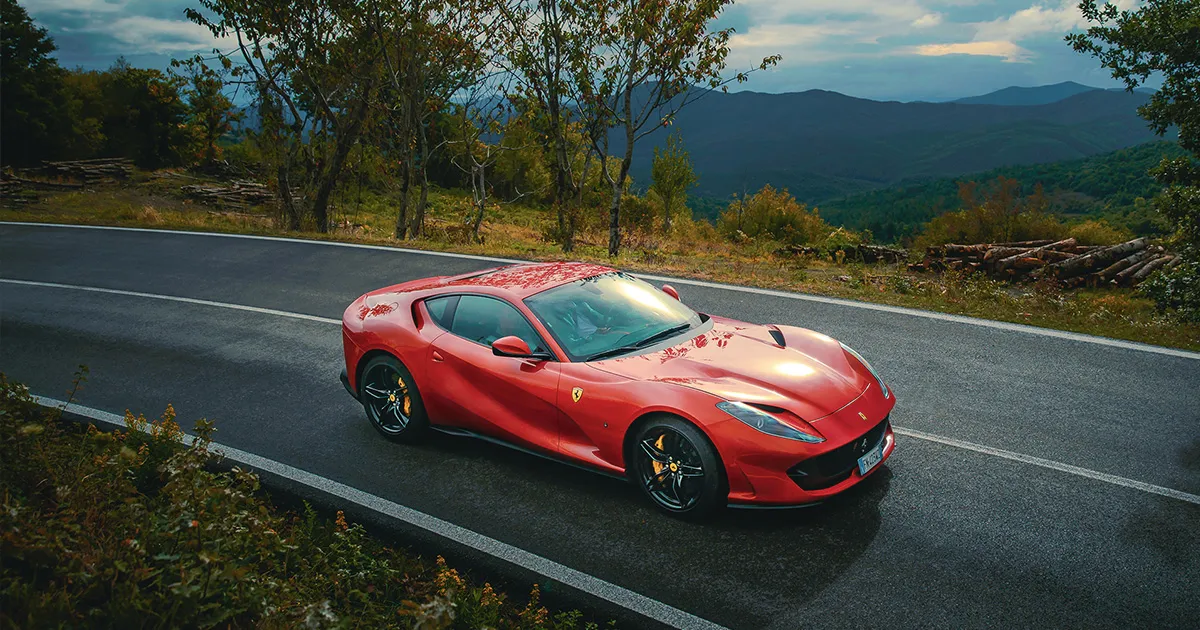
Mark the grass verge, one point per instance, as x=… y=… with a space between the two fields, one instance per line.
x=690 y=250
x=132 y=528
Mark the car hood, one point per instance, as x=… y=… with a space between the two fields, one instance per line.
x=810 y=375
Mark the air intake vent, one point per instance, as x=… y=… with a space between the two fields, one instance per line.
x=777 y=336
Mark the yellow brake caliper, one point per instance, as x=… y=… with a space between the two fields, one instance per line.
x=656 y=465
x=407 y=399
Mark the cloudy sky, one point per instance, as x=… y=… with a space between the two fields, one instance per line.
x=881 y=49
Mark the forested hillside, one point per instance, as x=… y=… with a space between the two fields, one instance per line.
x=1107 y=186
x=823 y=145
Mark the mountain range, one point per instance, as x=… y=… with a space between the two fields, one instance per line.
x=823 y=145
x=1039 y=95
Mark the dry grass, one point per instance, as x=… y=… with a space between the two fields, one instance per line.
x=692 y=250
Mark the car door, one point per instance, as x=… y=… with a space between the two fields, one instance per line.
x=504 y=397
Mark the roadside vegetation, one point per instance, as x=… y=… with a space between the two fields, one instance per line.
x=133 y=528
x=423 y=148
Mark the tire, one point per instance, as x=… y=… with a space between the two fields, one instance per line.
x=387 y=390
x=677 y=468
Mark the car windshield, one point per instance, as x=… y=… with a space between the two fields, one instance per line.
x=610 y=315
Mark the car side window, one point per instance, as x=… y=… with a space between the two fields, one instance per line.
x=484 y=320
x=441 y=310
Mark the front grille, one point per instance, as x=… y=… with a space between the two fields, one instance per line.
x=834 y=467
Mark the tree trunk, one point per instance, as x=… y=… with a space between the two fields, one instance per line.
x=614 y=218
x=479 y=182
x=286 y=202
x=406 y=175
x=345 y=142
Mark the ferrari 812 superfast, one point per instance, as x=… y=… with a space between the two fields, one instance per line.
x=589 y=365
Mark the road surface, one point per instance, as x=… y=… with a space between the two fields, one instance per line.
x=1105 y=532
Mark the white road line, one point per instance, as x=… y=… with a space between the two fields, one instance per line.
x=174 y=298
x=562 y=574
x=911 y=432
x=897 y=310
x=1053 y=465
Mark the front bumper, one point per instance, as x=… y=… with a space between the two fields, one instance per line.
x=785 y=473
x=346 y=383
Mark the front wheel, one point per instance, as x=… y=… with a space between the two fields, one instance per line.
x=675 y=465
x=391 y=400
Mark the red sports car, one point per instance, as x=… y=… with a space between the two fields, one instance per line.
x=590 y=365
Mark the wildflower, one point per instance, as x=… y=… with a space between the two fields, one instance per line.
x=341 y=521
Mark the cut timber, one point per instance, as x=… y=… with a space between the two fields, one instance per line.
x=1108 y=272
x=1150 y=267
x=1091 y=260
x=1036 y=253
x=1024 y=244
x=1126 y=275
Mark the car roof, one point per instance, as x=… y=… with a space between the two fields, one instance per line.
x=525 y=279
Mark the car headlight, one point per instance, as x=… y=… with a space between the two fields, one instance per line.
x=878 y=379
x=765 y=422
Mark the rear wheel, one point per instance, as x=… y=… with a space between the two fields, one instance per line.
x=391 y=400
x=675 y=465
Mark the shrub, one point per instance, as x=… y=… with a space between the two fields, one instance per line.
x=1093 y=232
x=1001 y=214
x=135 y=529
x=775 y=214
x=1176 y=289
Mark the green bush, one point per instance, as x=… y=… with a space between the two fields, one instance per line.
x=774 y=214
x=135 y=529
x=1176 y=289
x=1098 y=232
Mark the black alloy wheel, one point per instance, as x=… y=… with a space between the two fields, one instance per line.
x=677 y=467
x=391 y=400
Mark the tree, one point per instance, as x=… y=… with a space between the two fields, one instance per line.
x=314 y=71
x=654 y=52
x=143 y=116
x=211 y=113
x=553 y=41
x=34 y=118
x=1161 y=38
x=430 y=51
x=672 y=175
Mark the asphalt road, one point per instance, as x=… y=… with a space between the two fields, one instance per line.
x=944 y=537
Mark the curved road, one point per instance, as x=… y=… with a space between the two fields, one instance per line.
x=951 y=534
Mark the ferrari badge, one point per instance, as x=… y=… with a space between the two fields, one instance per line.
x=862 y=415
x=576 y=394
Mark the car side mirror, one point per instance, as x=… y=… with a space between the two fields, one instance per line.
x=670 y=290
x=515 y=347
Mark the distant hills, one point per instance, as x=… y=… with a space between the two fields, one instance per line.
x=823 y=145
x=1041 y=95
x=1105 y=185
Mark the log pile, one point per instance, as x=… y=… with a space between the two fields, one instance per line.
x=861 y=253
x=240 y=193
x=90 y=171
x=1063 y=261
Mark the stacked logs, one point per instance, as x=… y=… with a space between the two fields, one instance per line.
x=240 y=193
x=90 y=171
x=861 y=253
x=1064 y=261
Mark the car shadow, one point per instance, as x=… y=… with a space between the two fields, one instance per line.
x=805 y=549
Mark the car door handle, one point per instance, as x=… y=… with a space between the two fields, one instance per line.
x=437 y=356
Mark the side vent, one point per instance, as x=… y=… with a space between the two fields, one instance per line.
x=777 y=336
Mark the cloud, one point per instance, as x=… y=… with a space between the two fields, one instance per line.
x=157 y=35
x=1009 y=51
x=927 y=20
x=76 y=6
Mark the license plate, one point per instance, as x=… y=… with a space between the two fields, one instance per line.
x=870 y=460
